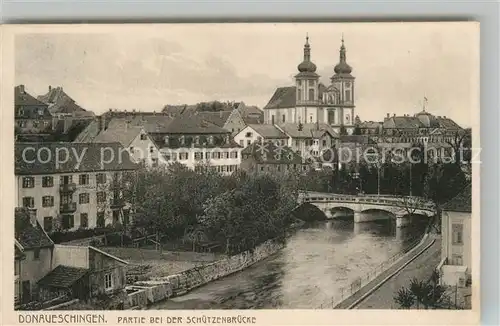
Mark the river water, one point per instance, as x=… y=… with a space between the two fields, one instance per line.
x=317 y=261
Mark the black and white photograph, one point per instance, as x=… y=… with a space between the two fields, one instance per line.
x=246 y=166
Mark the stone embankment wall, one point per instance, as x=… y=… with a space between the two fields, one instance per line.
x=164 y=287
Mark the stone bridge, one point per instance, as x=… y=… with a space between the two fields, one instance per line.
x=366 y=208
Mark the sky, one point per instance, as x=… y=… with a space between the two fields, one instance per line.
x=146 y=67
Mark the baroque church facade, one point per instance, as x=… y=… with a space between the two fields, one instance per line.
x=310 y=101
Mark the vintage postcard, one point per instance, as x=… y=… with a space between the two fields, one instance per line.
x=268 y=174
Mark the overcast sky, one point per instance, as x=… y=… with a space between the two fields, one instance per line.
x=145 y=68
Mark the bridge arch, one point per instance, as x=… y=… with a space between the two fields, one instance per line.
x=341 y=212
x=309 y=212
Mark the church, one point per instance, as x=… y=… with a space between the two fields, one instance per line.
x=310 y=101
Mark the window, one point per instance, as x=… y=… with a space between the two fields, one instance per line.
x=100 y=220
x=84 y=220
x=68 y=222
x=132 y=149
x=83 y=198
x=66 y=179
x=234 y=154
x=299 y=82
x=28 y=182
x=216 y=155
x=84 y=179
x=457 y=260
x=348 y=95
x=283 y=118
x=226 y=155
x=47 y=223
x=310 y=118
x=101 y=178
x=324 y=142
x=20 y=111
x=262 y=168
x=242 y=143
x=183 y=156
x=35 y=124
x=311 y=94
x=101 y=197
x=47 y=182
x=144 y=137
x=36 y=254
x=299 y=94
x=198 y=156
x=249 y=142
x=108 y=281
x=457 y=230
x=272 y=119
x=151 y=149
x=28 y=202
x=22 y=124
x=248 y=134
x=47 y=201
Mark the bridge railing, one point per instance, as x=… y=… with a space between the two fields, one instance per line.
x=408 y=202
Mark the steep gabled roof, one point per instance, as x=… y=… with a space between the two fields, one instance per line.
x=119 y=131
x=218 y=118
x=447 y=123
x=283 y=97
x=402 y=122
x=23 y=98
x=60 y=102
x=268 y=131
x=29 y=236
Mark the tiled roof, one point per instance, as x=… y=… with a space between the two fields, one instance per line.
x=60 y=102
x=249 y=120
x=403 y=123
x=447 y=123
x=28 y=235
x=309 y=130
x=193 y=125
x=268 y=131
x=89 y=133
x=94 y=157
x=118 y=131
x=269 y=153
x=62 y=277
x=283 y=97
x=24 y=98
x=176 y=110
x=217 y=118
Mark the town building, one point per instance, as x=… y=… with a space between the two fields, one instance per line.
x=45 y=271
x=61 y=105
x=267 y=157
x=72 y=185
x=31 y=115
x=310 y=101
x=33 y=255
x=456 y=232
x=229 y=120
x=261 y=132
x=422 y=128
x=135 y=139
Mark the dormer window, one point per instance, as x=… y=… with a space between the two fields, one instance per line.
x=211 y=140
x=197 y=140
x=248 y=134
x=182 y=140
x=166 y=139
x=20 y=111
x=144 y=137
x=40 y=111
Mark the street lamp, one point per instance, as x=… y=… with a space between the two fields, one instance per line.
x=356 y=175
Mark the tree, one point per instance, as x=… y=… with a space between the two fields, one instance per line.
x=404 y=298
x=342 y=130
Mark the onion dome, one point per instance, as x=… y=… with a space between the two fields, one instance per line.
x=342 y=67
x=307 y=65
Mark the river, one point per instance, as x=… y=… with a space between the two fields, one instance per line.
x=317 y=261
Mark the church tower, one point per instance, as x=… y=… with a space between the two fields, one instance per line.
x=307 y=89
x=343 y=81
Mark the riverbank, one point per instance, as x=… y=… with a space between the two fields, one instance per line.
x=367 y=290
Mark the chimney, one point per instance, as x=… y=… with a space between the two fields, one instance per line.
x=32 y=214
x=444 y=116
x=50 y=88
x=394 y=115
x=227 y=139
x=387 y=115
x=21 y=88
